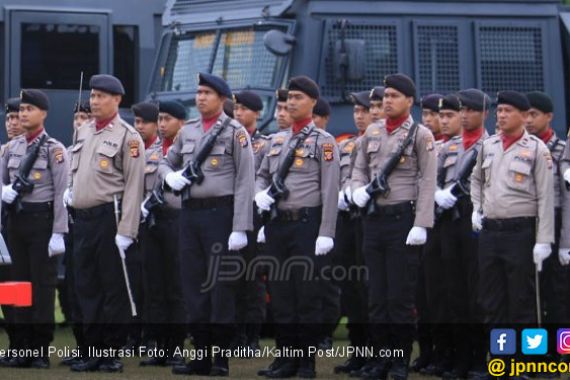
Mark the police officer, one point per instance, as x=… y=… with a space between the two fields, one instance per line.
x=13 y=125
x=251 y=293
x=303 y=226
x=458 y=243
x=430 y=118
x=322 y=114
x=36 y=223
x=213 y=220
x=348 y=251
x=513 y=207
x=395 y=230
x=81 y=113
x=171 y=118
x=107 y=164
x=376 y=108
x=281 y=113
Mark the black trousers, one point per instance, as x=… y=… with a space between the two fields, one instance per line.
x=204 y=262
x=72 y=299
x=99 y=280
x=296 y=294
x=28 y=236
x=354 y=297
x=393 y=270
x=164 y=303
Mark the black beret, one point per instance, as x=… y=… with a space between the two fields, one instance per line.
x=281 y=94
x=322 y=108
x=216 y=83
x=84 y=106
x=361 y=98
x=513 y=98
x=173 y=108
x=304 y=84
x=540 y=101
x=377 y=93
x=12 y=105
x=431 y=102
x=146 y=111
x=474 y=99
x=249 y=99
x=36 y=98
x=450 y=102
x=402 y=83
x=229 y=108
x=107 y=83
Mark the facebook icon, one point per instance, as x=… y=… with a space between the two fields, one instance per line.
x=503 y=342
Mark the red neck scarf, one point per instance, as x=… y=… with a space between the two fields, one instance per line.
x=546 y=135
x=251 y=132
x=298 y=125
x=32 y=137
x=440 y=136
x=471 y=137
x=445 y=138
x=166 y=143
x=509 y=140
x=208 y=123
x=393 y=124
x=100 y=124
x=148 y=143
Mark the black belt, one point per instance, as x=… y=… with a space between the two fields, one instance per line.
x=94 y=212
x=207 y=203
x=295 y=215
x=166 y=213
x=32 y=208
x=510 y=224
x=397 y=209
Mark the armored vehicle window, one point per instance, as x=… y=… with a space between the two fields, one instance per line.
x=125 y=45
x=53 y=55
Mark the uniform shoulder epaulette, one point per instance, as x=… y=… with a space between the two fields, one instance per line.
x=129 y=127
x=265 y=137
x=322 y=132
x=278 y=137
x=535 y=139
x=236 y=124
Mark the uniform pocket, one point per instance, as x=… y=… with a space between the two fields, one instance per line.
x=105 y=157
x=486 y=168
x=273 y=157
x=216 y=159
x=75 y=152
x=519 y=175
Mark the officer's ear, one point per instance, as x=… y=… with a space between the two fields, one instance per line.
x=44 y=114
x=410 y=101
x=117 y=99
x=257 y=114
x=549 y=117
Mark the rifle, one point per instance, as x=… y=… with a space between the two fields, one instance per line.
x=461 y=187
x=278 y=190
x=22 y=185
x=193 y=171
x=379 y=184
x=155 y=201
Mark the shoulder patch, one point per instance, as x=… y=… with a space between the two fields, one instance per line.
x=548 y=158
x=328 y=152
x=134 y=150
x=242 y=138
x=58 y=155
x=429 y=143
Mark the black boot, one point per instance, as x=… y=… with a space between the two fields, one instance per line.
x=307 y=367
x=220 y=367
x=86 y=365
x=276 y=363
x=110 y=365
x=354 y=363
x=377 y=371
x=200 y=365
x=288 y=368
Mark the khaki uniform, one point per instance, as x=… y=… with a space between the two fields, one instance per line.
x=153 y=156
x=515 y=183
x=451 y=157
x=347 y=153
x=228 y=170
x=415 y=176
x=49 y=175
x=313 y=178
x=105 y=163
x=260 y=145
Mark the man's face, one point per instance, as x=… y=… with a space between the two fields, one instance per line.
x=321 y=121
x=103 y=105
x=13 y=125
x=472 y=119
x=300 y=105
x=376 y=111
x=282 y=116
x=537 y=121
x=510 y=119
x=31 y=117
x=209 y=102
x=362 y=117
x=80 y=118
x=147 y=129
x=168 y=125
x=450 y=122
x=396 y=104
x=245 y=116
x=431 y=120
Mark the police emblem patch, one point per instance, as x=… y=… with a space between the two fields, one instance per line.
x=104 y=164
x=328 y=152
x=37 y=176
x=242 y=139
x=58 y=155
x=133 y=148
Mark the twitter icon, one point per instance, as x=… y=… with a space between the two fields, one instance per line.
x=534 y=341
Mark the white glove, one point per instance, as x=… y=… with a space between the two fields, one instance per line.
x=67 y=197
x=477 y=221
x=123 y=243
x=8 y=194
x=540 y=252
x=323 y=245
x=360 y=197
x=445 y=199
x=144 y=210
x=417 y=236
x=564 y=256
x=348 y=194
x=261 y=235
x=567 y=176
x=56 y=245
x=237 y=240
x=176 y=180
x=264 y=200
x=342 y=203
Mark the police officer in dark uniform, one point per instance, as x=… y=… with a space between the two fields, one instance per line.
x=36 y=223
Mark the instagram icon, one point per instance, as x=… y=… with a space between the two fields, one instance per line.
x=563 y=341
